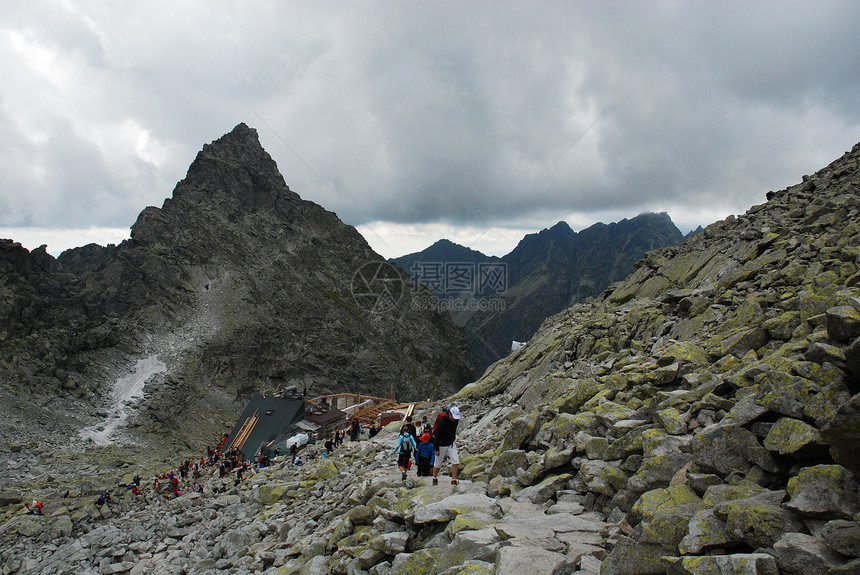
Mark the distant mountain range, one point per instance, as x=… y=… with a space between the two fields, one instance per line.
x=502 y=300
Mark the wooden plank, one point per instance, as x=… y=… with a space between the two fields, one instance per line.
x=241 y=437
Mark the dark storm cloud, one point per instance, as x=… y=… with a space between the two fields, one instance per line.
x=472 y=114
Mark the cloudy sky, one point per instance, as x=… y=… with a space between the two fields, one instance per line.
x=475 y=121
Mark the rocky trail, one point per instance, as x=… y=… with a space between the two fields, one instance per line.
x=338 y=514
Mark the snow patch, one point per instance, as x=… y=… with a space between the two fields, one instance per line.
x=126 y=392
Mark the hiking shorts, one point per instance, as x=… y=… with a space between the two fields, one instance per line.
x=450 y=451
x=403 y=459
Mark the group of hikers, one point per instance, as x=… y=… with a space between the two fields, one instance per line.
x=431 y=447
x=189 y=476
x=428 y=444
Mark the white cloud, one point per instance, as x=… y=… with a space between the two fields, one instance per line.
x=504 y=119
x=392 y=240
x=59 y=240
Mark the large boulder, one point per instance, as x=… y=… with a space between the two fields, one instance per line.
x=760 y=520
x=842 y=433
x=664 y=514
x=785 y=393
x=480 y=544
x=792 y=436
x=801 y=554
x=663 y=456
x=739 y=564
x=604 y=477
x=10 y=497
x=705 y=531
x=843 y=323
x=446 y=509
x=421 y=562
x=543 y=491
x=631 y=556
x=520 y=431
x=782 y=326
x=736 y=342
x=515 y=560
x=727 y=449
x=843 y=536
x=824 y=490
x=508 y=461
x=672 y=420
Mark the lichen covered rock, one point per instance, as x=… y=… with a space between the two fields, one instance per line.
x=664 y=514
x=791 y=436
x=824 y=489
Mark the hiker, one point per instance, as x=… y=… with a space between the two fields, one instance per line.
x=443 y=440
x=412 y=429
x=425 y=455
x=36 y=509
x=329 y=446
x=355 y=430
x=405 y=448
x=425 y=426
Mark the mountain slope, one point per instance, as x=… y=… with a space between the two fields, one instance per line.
x=235 y=284
x=709 y=402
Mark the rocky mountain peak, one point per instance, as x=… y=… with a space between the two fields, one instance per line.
x=235 y=285
x=231 y=178
x=561 y=227
x=239 y=145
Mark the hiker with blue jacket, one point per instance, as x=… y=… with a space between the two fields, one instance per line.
x=405 y=447
x=425 y=456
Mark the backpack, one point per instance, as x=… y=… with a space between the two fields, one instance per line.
x=406 y=443
x=439 y=418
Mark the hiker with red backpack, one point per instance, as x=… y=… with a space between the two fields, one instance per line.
x=444 y=433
